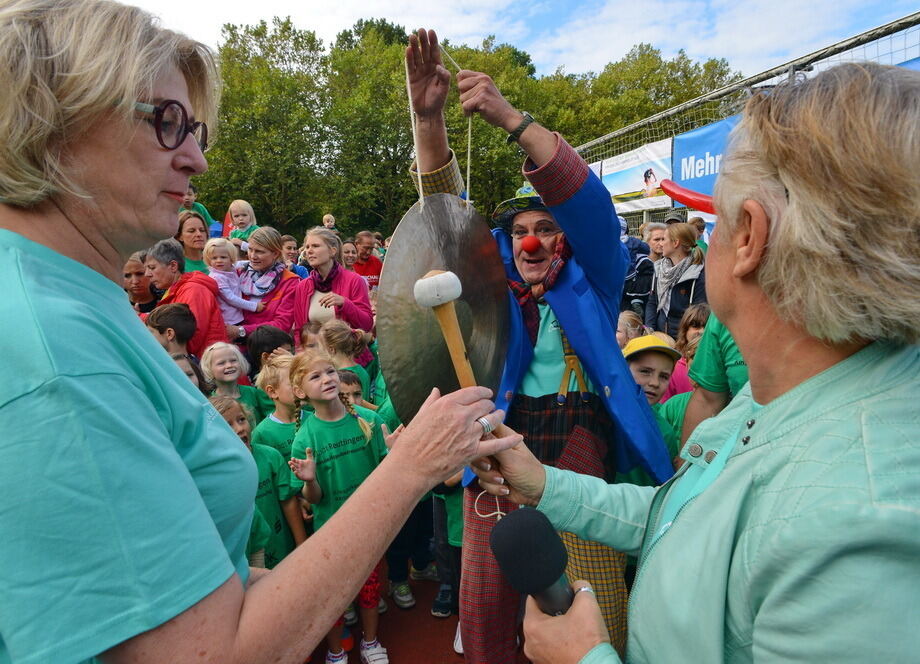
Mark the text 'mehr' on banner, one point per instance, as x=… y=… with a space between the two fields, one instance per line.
x=698 y=155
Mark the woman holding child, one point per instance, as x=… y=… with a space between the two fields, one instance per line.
x=140 y=498
x=265 y=278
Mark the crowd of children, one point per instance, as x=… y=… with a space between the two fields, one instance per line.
x=318 y=422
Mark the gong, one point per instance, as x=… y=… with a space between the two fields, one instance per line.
x=445 y=234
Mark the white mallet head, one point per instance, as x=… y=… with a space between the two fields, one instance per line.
x=437 y=288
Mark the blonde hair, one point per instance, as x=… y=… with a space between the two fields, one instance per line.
x=301 y=365
x=832 y=160
x=224 y=404
x=272 y=371
x=633 y=324
x=332 y=240
x=685 y=235
x=208 y=354
x=269 y=238
x=665 y=337
x=220 y=243
x=67 y=64
x=338 y=337
x=240 y=203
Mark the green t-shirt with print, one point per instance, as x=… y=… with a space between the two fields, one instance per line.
x=275 y=486
x=196 y=266
x=718 y=365
x=344 y=457
x=259 y=534
x=361 y=373
x=544 y=375
x=242 y=234
x=275 y=434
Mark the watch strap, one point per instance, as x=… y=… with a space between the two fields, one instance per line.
x=515 y=135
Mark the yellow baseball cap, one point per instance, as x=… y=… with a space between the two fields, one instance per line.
x=649 y=342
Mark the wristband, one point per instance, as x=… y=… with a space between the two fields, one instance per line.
x=525 y=122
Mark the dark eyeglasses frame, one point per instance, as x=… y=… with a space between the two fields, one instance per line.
x=187 y=127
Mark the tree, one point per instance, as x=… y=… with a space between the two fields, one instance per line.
x=267 y=149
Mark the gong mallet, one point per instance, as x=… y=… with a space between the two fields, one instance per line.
x=439 y=290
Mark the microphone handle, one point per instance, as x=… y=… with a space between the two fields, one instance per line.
x=556 y=599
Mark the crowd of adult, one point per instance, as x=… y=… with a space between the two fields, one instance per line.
x=765 y=446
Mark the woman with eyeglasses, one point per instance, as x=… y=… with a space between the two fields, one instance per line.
x=127 y=502
x=565 y=385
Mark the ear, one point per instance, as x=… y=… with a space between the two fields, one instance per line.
x=170 y=334
x=299 y=393
x=750 y=239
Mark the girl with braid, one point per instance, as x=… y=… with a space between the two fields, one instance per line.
x=345 y=345
x=335 y=449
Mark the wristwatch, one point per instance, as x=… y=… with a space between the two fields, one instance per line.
x=242 y=333
x=516 y=134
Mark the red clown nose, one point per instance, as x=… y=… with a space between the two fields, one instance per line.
x=530 y=244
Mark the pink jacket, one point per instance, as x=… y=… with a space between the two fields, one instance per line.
x=279 y=306
x=355 y=310
x=680 y=381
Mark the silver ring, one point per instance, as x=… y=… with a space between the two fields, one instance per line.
x=487 y=427
x=587 y=589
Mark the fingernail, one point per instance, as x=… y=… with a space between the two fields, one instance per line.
x=504 y=491
x=487 y=466
x=500 y=480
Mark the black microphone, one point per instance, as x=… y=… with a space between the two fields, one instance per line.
x=533 y=558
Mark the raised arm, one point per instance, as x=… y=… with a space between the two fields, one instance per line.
x=429 y=83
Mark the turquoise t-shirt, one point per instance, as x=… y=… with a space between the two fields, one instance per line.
x=126 y=497
x=544 y=375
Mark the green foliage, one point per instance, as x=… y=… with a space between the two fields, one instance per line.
x=305 y=131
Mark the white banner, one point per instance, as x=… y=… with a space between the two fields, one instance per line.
x=632 y=177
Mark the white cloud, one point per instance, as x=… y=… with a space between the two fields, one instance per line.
x=752 y=35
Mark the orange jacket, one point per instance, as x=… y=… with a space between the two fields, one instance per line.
x=199 y=292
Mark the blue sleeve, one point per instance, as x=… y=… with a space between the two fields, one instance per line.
x=593 y=230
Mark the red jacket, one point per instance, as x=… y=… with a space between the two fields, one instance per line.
x=279 y=306
x=199 y=292
x=355 y=310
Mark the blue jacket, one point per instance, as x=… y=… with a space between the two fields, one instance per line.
x=586 y=301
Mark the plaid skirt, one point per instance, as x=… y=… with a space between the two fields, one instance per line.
x=572 y=436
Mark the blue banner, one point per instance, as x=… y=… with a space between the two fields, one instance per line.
x=697 y=155
x=911 y=64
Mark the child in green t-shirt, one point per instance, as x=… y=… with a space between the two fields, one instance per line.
x=276 y=494
x=243 y=218
x=278 y=429
x=334 y=451
x=223 y=364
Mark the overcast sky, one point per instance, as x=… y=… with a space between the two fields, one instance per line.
x=581 y=36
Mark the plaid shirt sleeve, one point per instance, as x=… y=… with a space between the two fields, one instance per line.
x=558 y=179
x=445 y=180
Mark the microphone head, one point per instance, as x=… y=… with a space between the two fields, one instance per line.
x=528 y=550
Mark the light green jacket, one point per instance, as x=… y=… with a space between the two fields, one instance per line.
x=805 y=548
